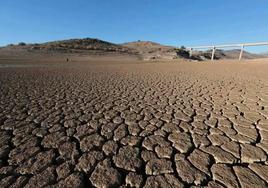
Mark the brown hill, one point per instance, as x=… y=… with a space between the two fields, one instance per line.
x=86 y=46
x=151 y=50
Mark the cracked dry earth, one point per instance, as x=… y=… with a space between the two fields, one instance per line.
x=134 y=125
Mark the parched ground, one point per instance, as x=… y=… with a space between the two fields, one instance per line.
x=173 y=124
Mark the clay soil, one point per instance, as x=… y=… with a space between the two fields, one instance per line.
x=94 y=122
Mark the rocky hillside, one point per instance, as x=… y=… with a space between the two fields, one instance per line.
x=151 y=50
x=87 y=46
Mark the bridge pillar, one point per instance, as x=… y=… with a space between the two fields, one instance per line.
x=241 y=52
x=191 y=52
x=213 y=53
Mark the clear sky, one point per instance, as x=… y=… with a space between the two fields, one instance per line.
x=172 y=22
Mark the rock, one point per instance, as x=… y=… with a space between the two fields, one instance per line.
x=90 y=142
x=54 y=140
x=152 y=141
x=247 y=178
x=224 y=174
x=16 y=157
x=200 y=140
x=134 y=180
x=131 y=140
x=107 y=130
x=128 y=158
x=181 y=141
x=181 y=116
x=167 y=181
x=38 y=163
x=200 y=160
x=105 y=176
x=134 y=129
x=250 y=154
x=148 y=155
x=20 y=182
x=218 y=140
x=260 y=169
x=68 y=151
x=158 y=166
x=220 y=155
x=64 y=170
x=232 y=147
x=188 y=173
x=164 y=152
x=74 y=180
x=120 y=132
x=88 y=161
x=110 y=148
x=249 y=132
x=213 y=184
x=7 y=181
x=46 y=177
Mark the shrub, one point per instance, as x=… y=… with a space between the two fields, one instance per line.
x=22 y=44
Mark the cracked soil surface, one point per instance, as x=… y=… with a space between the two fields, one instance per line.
x=101 y=124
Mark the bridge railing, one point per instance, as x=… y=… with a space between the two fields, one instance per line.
x=214 y=47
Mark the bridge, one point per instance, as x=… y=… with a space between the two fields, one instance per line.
x=214 y=47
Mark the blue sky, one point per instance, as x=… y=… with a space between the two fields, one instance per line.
x=172 y=22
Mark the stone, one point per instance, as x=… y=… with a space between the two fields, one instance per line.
x=213 y=184
x=20 y=182
x=220 y=155
x=131 y=140
x=134 y=180
x=120 y=132
x=16 y=158
x=167 y=181
x=74 y=180
x=201 y=160
x=224 y=174
x=38 y=163
x=232 y=147
x=45 y=178
x=54 y=140
x=158 y=166
x=248 y=178
x=164 y=152
x=64 y=170
x=152 y=141
x=218 y=140
x=88 y=161
x=105 y=175
x=134 y=129
x=128 y=158
x=189 y=173
x=90 y=142
x=110 y=148
x=250 y=154
x=148 y=155
x=181 y=141
x=7 y=181
x=200 y=140
x=260 y=169
x=68 y=151
x=249 y=132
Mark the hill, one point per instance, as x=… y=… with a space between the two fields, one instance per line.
x=150 y=50
x=145 y=50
